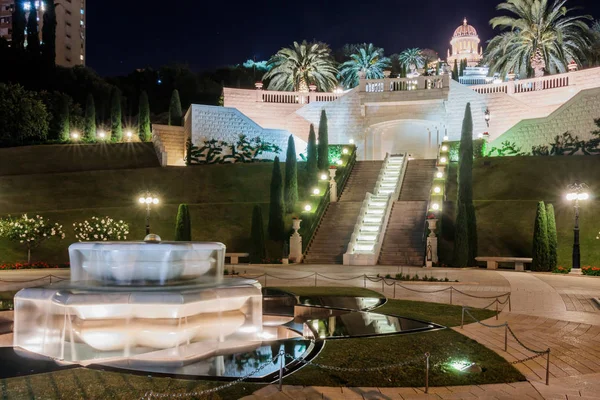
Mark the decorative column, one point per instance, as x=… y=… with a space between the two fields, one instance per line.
x=333 y=197
x=259 y=87
x=431 y=256
x=296 y=242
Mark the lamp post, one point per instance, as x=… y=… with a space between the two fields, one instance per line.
x=577 y=192
x=148 y=199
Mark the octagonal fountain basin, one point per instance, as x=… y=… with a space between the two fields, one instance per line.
x=140 y=302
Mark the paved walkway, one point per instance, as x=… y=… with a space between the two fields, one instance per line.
x=547 y=311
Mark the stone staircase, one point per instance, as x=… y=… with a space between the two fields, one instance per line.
x=403 y=243
x=172 y=139
x=333 y=234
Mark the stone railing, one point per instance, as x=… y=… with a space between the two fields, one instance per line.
x=525 y=85
x=271 y=96
x=404 y=84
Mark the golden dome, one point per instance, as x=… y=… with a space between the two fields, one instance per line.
x=465 y=30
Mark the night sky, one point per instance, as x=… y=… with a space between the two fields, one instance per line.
x=135 y=34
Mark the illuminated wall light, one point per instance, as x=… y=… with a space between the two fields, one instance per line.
x=435 y=206
x=345 y=151
x=445 y=138
x=307 y=207
x=316 y=191
x=102 y=135
x=339 y=162
x=439 y=175
x=443 y=160
x=323 y=177
x=437 y=189
x=75 y=136
x=351 y=141
x=444 y=148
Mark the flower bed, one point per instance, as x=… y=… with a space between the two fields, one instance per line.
x=593 y=271
x=561 y=270
x=35 y=265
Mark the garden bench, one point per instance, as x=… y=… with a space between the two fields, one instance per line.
x=492 y=262
x=234 y=257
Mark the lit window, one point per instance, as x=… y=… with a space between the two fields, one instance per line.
x=26 y=6
x=81 y=23
x=81 y=11
x=81 y=57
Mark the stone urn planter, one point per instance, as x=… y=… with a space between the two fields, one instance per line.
x=296 y=224
x=432 y=225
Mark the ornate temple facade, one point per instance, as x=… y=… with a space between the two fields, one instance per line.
x=465 y=45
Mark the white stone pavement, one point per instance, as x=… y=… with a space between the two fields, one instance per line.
x=547 y=311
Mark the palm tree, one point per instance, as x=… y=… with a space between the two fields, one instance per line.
x=594 y=58
x=296 y=67
x=412 y=58
x=368 y=60
x=541 y=36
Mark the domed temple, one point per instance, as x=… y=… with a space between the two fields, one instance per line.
x=465 y=45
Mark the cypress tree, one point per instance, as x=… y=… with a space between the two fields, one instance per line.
x=89 y=128
x=257 y=236
x=276 y=211
x=49 y=34
x=116 y=125
x=290 y=189
x=552 y=238
x=183 y=225
x=323 y=146
x=465 y=195
x=461 y=71
x=144 y=129
x=455 y=71
x=33 y=38
x=19 y=24
x=461 y=237
x=64 y=116
x=311 y=157
x=175 y=113
x=540 y=240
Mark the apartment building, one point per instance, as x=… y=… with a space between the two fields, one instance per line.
x=70 y=27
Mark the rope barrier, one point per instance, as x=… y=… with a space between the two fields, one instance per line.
x=32 y=280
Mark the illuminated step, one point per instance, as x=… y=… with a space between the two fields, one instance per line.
x=364 y=246
x=375 y=211
x=372 y=219
x=377 y=203
x=363 y=237
x=386 y=191
x=369 y=228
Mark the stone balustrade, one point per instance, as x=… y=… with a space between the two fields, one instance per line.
x=527 y=85
x=404 y=84
x=272 y=96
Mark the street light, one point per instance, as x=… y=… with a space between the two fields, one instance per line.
x=148 y=199
x=577 y=192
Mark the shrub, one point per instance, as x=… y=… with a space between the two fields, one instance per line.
x=257 y=236
x=183 y=225
x=276 y=207
x=31 y=232
x=589 y=270
x=290 y=190
x=116 y=125
x=34 y=265
x=89 y=129
x=311 y=157
x=561 y=270
x=144 y=132
x=23 y=117
x=552 y=238
x=323 y=146
x=175 y=114
x=100 y=230
x=540 y=240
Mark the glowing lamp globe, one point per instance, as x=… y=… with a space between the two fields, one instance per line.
x=351 y=141
x=345 y=151
x=307 y=207
x=323 y=177
x=437 y=189
x=443 y=160
x=102 y=135
x=444 y=148
x=583 y=196
x=439 y=175
x=435 y=206
x=445 y=138
x=339 y=162
x=155 y=201
x=142 y=200
x=316 y=191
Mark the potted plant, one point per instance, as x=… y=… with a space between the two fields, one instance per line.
x=432 y=221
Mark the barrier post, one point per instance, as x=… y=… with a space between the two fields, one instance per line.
x=462 y=319
x=281 y=359
x=506 y=337
x=427 y=372
x=50 y=279
x=315 y=279
x=394 y=290
x=509 y=305
x=265 y=280
x=496 y=309
x=548 y=367
x=383 y=285
x=451 y=290
x=365 y=281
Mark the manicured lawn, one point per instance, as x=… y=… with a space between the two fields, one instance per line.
x=84 y=384
x=445 y=346
x=506 y=191
x=221 y=198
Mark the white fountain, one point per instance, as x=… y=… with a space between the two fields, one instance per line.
x=140 y=303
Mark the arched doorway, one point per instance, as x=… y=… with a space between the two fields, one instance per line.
x=419 y=138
